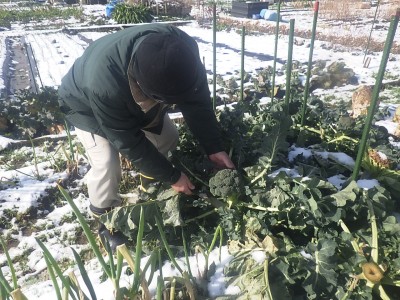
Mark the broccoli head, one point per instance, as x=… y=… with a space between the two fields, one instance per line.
x=226 y=184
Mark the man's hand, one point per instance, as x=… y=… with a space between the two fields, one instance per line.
x=222 y=160
x=183 y=185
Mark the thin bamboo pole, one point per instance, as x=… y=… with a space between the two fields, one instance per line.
x=310 y=58
x=375 y=94
x=289 y=65
x=275 y=49
x=214 y=56
x=242 y=65
x=370 y=33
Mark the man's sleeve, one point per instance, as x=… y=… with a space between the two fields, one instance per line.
x=198 y=111
x=123 y=131
x=200 y=118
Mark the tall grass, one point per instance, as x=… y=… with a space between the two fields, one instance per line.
x=340 y=9
x=345 y=10
x=36 y=13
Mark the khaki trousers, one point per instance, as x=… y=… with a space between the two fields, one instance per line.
x=105 y=174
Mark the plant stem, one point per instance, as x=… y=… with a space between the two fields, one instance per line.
x=3 y=282
x=257 y=207
x=185 y=249
x=200 y=216
x=35 y=160
x=353 y=242
x=160 y=282
x=18 y=295
x=18 y=171
x=382 y=293
x=262 y=173
x=160 y=268
x=55 y=266
x=10 y=264
x=172 y=292
x=341 y=138
x=53 y=277
x=166 y=246
x=214 y=240
x=87 y=231
x=388 y=281
x=84 y=274
x=266 y=279
x=138 y=254
x=374 y=230
x=194 y=175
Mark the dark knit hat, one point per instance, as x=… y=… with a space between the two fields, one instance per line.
x=165 y=67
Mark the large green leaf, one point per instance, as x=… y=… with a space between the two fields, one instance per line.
x=249 y=276
x=323 y=275
x=275 y=141
x=126 y=219
x=170 y=211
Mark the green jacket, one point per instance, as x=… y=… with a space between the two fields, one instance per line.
x=95 y=96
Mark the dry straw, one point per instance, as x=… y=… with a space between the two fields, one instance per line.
x=347 y=10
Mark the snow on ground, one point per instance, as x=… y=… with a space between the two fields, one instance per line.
x=55 y=52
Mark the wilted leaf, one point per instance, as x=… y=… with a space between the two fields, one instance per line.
x=349 y=193
x=391 y=225
x=170 y=211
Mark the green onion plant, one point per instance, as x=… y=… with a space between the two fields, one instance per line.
x=35 y=160
x=109 y=268
x=52 y=264
x=9 y=290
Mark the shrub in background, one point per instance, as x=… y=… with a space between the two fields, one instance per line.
x=172 y=8
x=131 y=13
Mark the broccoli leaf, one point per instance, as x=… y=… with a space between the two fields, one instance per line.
x=323 y=273
x=274 y=142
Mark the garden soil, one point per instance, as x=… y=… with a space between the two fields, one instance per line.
x=18 y=69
